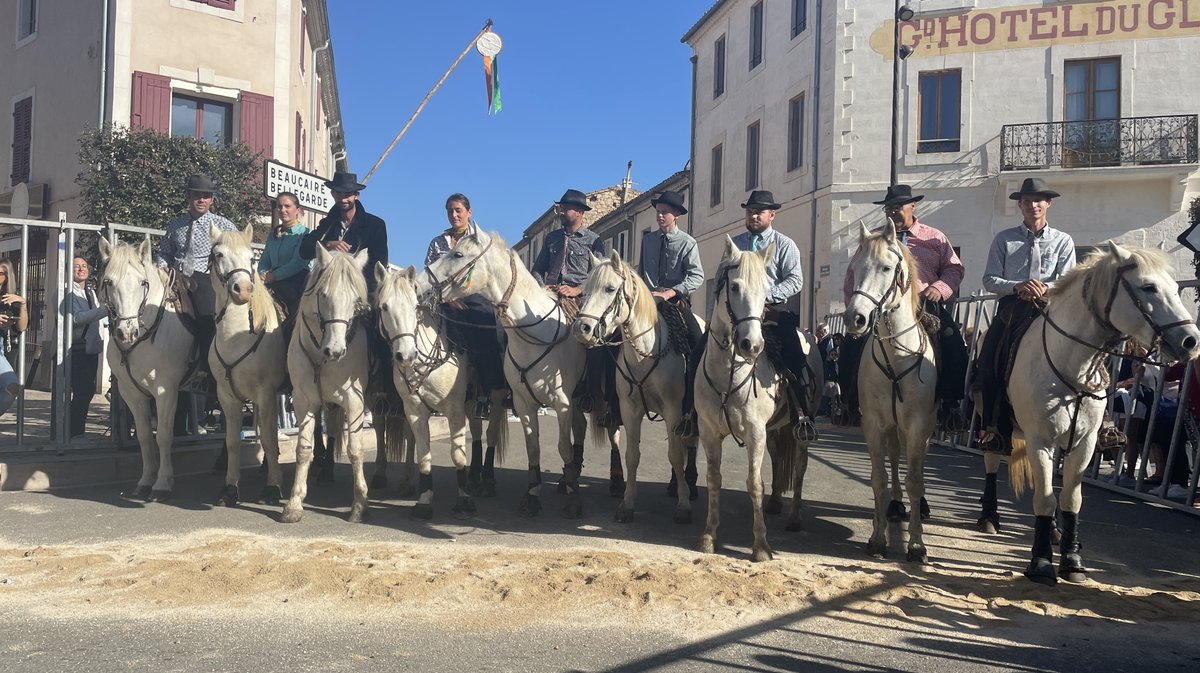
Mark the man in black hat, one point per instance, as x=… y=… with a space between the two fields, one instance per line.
x=670 y=265
x=787 y=279
x=349 y=227
x=939 y=275
x=1022 y=265
x=184 y=249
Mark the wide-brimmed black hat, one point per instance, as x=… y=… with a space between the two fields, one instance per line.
x=761 y=199
x=201 y=183
x=673 y=199
x=574 y=197
x=345 y=183
x=1034 y=187
x=898 y=195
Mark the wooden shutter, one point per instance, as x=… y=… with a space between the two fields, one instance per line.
x=151 y=102
x=22 y=147
x=257 y=121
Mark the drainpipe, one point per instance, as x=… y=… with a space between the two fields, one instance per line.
x=816 y=139
x=313 y=105
x=692 y=148
x=103 y=65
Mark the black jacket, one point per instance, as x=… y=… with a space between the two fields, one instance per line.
x=366 y=231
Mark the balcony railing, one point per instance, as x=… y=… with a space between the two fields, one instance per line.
x=1132 y=141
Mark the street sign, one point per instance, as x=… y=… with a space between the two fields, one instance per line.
x=1190 y=238
x=309 y=189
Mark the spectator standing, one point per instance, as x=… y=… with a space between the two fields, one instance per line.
x=86 y=312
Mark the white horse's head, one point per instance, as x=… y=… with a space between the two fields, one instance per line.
x=883 y=275
x=1132 y=290
x=129 y=284
x=396 y=302
x=464 y=270
x=741 y=294
x=339 y=291
x=231 y=263
x=611 y=296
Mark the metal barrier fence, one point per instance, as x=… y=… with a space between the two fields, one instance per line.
x=974 y=315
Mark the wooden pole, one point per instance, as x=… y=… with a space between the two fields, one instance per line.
x=487 y=27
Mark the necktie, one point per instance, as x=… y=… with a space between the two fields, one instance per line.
x=662 y=260
x=1035 y=259
x=903 y=237
x=755 y=242
x=562 y=258
x=188 y=265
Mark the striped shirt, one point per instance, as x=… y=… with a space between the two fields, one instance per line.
x=937 y=263
x=176 y=251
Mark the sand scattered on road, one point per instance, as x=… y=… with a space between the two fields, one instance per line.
x=214 y=574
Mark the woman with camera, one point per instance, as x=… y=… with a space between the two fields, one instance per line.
x=14 y=319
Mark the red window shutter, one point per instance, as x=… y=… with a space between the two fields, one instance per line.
x=22 y=147
x=151 y=106
x=257 y=121
x=299 y=140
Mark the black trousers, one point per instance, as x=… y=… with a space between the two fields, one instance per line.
x=952 y=362
x=849 y=358
x=1012 y=315
x=472 y=329
x=83 y=387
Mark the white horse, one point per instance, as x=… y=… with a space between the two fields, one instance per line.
x=542 y=363
x=897 y=384
x=743 y=395
x=651 y=372
x=431 y=378
x=327 y=362
x=149 y=354
x=248 y=357
x=1059 y=376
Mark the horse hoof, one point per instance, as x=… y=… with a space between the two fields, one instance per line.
x=708 y=544
x=228 y=497
x=530 y=506
x=925 y=513
x=1040 y=570
x=989 y=524
x=357 y=514
x=574 y=507
x=896 y=511
x=379 y=481
x=758 y=555
x=877 y=549
x=158 y=495
x=774 y=505
x=422 y=511
x=138 y=493
x=1073 y=576
x=291 y=515
x=616 y=487
x=271 y=495
x=917 y=555
x=1070 y=568
x=794 y=526
x=463 y=509
x=683 y=516
x=623 y=515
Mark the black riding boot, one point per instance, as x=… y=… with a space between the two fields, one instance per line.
x=989 y=514
x=1041 y=566
x=1070 y=566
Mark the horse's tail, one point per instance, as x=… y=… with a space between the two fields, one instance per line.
x=784 y=453
x=1020 y=472
x=499 y=416
x=393 y=437
x=337 y=431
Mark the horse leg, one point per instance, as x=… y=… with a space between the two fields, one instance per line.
x=474 y=485
x=531 y=501
x=1070 y=565
x=756 y=448
x=141 y=409
x=353 y=440
x=616 y=475
x=379 y=479
x=677 y=455
x=989 y=515
x=1041 y=564
x=572 y=455
x=712 y=441
x=464 y=508
x=896 y=511
x=878 y=446
x=325 y=448
x=161 y=491
x=266 y=411
x=914 y=481
x=497 y=434
x=633 y=457
x=423 y=509
x=795 y=523
x=307 y=428
x=230 y=409
x=774 y=503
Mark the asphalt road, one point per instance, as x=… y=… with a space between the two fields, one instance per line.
x=1128 y=543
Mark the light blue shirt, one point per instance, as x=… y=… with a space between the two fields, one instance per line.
x=1017 y=255
x=787 y=278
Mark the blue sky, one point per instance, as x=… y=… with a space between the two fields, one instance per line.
x=586 y=85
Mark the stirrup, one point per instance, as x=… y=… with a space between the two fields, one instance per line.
x=992 y=442
x=804 y=430
x=483 y=407
x=686 y=427
x=1110 y=437
x=584 y=403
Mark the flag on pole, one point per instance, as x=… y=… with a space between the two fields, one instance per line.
x=488 y=46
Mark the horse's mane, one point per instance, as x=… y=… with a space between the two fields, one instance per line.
x=643 y=308
x=124 y=257
x=263 y=314
x=339 y=272
x=1101 y=267
x=753 y=266
x=876 y=246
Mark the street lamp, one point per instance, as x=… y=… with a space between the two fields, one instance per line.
x=899 y=53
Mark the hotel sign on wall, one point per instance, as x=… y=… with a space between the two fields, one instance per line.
x=1041 y=25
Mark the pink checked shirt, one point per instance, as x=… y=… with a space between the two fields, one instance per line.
x=937 y=263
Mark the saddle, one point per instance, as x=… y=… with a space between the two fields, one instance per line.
x=180 y=298
x=677 y=332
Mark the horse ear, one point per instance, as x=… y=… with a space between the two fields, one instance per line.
x=731 y=250
x=323 y=255
x=863 y=233
x=362 y=258
x=411 y=273
x=248 y=233
x=144 y=251
x=105 y=250
x=616 y=258
x=1119 y=253
x=889 y=232
x=381 y=273
x=214 y=234
x=768 y=253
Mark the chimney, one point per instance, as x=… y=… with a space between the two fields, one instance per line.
x=627 y=183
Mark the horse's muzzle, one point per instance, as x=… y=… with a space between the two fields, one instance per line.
x=586 y=332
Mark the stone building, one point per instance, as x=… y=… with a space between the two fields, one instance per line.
x=602 y=202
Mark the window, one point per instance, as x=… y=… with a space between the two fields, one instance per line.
x=26 y=19
x=795 y=151
x=799 y=16
x=620 y=244
x=207 y=120
x=714 y=187
x=22 y=146
x=756 y=35
x=719 y=67
x=940 y=94
x=219 y=4
x=1092 y=98
x=752 y=156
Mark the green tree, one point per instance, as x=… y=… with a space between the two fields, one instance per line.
x=137 y=176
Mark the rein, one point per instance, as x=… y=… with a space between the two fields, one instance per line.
x=426 y=363
x=146 y=334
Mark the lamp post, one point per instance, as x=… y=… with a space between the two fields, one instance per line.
x=899 y=53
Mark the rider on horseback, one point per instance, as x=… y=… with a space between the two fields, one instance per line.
x=282 y=268
x=940 y=274
x=787 y=280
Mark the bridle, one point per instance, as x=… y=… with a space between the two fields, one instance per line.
x=224 y=278
x=890 y=300
x=144 y=334
x=734 y=320
x=621 y=296
x=426 y=363
x=462 y=277
x=726 y=345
